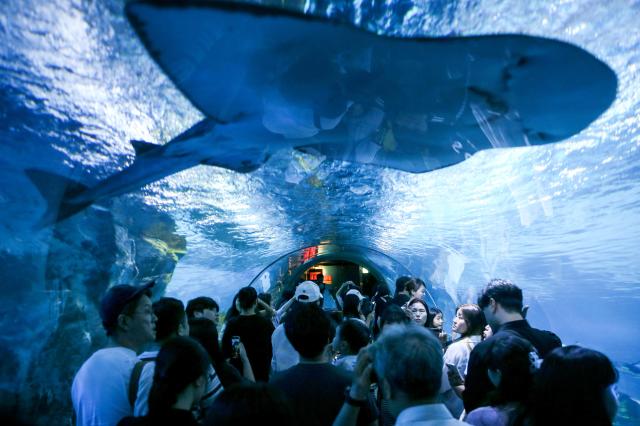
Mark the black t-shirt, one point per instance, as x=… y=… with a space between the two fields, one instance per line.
x=477 y=383
x=400 y=299
x=316 y=392
x=255 y=334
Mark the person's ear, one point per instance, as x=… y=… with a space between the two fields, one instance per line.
x=493 y=304
x=124 y=321
x=198 y=314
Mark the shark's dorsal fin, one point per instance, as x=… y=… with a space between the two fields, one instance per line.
x=142 y=147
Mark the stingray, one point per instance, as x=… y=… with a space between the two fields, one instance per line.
x=268 y=79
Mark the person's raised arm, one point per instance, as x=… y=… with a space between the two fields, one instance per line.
x=267 y=307
x=284 y=308
x=340 y=294
x=357 y=395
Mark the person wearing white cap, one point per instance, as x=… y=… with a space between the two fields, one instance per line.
x=284 y=355
x=351 y=304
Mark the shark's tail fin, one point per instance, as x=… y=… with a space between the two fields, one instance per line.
x=58 y=192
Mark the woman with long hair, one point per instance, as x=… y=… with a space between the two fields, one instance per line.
x=179 y=382
x=575 y=385
x=468 y=323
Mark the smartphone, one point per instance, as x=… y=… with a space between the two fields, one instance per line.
x=455 y=379
x=235 y=346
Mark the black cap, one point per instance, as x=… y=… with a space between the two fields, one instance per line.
x=116 y=298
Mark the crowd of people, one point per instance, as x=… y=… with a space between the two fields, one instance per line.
x=378 y=359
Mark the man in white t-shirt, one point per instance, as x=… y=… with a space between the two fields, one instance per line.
x=100 y=388
x=284 y=355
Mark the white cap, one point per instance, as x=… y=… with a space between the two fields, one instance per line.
x=356 y=292
x=307 y=292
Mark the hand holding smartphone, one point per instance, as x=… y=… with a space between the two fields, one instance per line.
x=235 y=346
x=455 y=379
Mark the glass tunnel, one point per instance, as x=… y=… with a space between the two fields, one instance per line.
x=337 y=264
x=454 y=141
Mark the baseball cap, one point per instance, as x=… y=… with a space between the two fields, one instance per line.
x=307 y=292
x=116 y=298
x=356 y=293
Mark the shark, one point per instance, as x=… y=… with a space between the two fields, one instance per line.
x=267 y=79
x=206 y=143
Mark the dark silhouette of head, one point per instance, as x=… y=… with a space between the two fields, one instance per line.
x=201 y=304
x=354 y=334
x=181 y=362
x=504 y=292
x=573 y=387
x=247 y=297
x=309 y=329
x=393 y=314
x=408 y=362
x=512 y=363
x=171 y=318
x=250 y=404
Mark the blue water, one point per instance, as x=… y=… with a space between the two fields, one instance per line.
x=562 y=221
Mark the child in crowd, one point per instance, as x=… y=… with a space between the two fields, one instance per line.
x=436 y=323
x=351 y=336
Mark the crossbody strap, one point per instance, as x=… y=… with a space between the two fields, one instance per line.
x=135 y=380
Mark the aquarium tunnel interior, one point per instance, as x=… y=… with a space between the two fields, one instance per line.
x=77 y=85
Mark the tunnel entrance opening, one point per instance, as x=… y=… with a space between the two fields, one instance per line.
x=364 y=266
x=331 y=274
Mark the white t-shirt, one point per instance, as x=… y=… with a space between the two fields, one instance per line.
x=284 y=355
x=100 y=389
x=458 y=353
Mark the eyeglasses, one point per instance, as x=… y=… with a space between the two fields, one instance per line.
x=145 y=312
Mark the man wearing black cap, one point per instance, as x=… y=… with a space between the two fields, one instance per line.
x=100 y=388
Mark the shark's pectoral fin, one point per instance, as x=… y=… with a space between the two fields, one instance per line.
x=58 y=193
x=142 y=147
